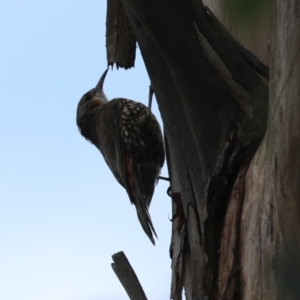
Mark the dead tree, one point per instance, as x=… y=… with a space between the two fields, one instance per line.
x=232 y=143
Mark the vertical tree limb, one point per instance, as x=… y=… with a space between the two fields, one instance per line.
x=271 y=214
x=210 y=133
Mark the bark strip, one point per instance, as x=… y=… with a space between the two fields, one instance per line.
x=120 y=40
x=127 y=277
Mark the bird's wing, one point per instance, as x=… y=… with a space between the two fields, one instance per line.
x=131 y=182
x=137 y=197
x=117 y=157
x=107 y=131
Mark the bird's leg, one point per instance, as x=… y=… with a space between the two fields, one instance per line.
x=150 y=97
x=169 y=192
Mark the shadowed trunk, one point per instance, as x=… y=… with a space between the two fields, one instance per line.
x=235 y=189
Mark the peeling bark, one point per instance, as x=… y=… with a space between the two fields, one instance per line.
x=236 y=217
x=120 y=40
x=210 y=96
x=230 y=282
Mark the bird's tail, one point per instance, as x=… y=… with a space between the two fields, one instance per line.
x=145 y=219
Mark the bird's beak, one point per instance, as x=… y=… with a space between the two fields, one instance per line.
x=99 y=86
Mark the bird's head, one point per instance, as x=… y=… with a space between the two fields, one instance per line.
x=94 y=98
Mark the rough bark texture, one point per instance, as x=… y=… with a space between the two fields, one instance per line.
x=120 y=40
x=270 y=229
x=251 y=29
x=213 y=106
x=259 y=255
x=235 y=220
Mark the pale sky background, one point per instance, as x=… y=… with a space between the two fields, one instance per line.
x=62 y=213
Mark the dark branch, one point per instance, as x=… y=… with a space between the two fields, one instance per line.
x=127 y=277
x=120 y=40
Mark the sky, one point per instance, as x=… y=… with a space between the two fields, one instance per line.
x=62 y=213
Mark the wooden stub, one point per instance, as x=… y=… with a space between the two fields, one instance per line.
x=120 y=40
x=127 y=277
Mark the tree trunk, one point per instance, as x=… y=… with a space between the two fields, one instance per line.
x=262 y=223
x=270 y=229
x=236 y=217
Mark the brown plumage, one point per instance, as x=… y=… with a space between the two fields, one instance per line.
x=130 y=140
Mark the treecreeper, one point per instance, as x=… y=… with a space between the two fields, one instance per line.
x=130 y=139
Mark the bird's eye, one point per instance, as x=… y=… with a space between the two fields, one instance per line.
x=86 y=97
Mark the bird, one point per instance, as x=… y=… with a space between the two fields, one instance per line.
x=130 y=139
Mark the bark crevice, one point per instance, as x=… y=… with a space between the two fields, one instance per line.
x=218 y=134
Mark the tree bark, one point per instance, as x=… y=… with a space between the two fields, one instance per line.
x=120 y=40
x=235 y=217
x=262 y=230
x=270 y=229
